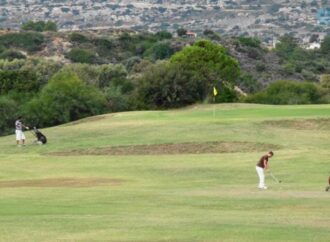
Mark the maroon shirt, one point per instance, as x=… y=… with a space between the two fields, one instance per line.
x=261 y=161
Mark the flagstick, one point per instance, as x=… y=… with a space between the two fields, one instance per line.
x=214 y=107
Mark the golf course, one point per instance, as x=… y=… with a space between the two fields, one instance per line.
x=177 y=175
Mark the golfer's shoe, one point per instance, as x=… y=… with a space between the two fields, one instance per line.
x=263 y=188
x=327 y=188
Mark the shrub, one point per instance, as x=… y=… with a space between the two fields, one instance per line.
x=181 y=32
x=65 y=98
x=159 y=51
x=164 y=85
x=11 y=55
x=325 y=45
x=117 y=101
x=226 y=94
x=248 y=83
x=39 y=26
x=18 y=81
x=260 y=67
x=287 y=92
x=82 y=56
x=163 y=35
x=30 y=41
x=248 y=41
x=78 y=38
x=104 y=46
x=8 y=112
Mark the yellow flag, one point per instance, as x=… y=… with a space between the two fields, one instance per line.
x=215 y=91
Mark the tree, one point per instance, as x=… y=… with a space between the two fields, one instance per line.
x=159 y=51
x=325 y=81
x=189 y=76
x=163 y=35
x=286 y=46
x=325 y=45
x=18 y=81
x=65 y=98
x=8 y=112
x=208 y=64
x=181 y=32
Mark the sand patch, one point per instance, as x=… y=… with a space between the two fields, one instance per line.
x=171 y=149
x=61 y=182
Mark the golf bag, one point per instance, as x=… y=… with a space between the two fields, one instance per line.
x=41 y=138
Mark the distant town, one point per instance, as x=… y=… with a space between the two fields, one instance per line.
x=265 y=19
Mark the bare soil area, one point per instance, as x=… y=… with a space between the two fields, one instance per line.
x=61 y=182
x=169 y=149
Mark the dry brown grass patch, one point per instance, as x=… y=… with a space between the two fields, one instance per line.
x=301 y=124
x=169 y=149
x=61 y=182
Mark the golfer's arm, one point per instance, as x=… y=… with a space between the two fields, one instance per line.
x=265 y=164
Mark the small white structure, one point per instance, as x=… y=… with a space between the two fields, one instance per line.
x=313 y=46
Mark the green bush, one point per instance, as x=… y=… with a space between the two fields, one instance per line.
x=287 y=92
x=65 y=98
x=117 y=101
x=248 y=83
x=163 y=35
x=11 y=55
x=81 y=56
x=210 y=34
x=8 y=112
x=30 y=41
x=260 y=67
x=249 y=41
x=78 y=38
x=39 y=26
x=104 y=46
x=19 y=81
x=159 y=51
x=226 y=94
x=165 y=86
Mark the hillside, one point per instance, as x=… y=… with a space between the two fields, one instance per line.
x=123 y=46
x=264 y=18
x=180 y=175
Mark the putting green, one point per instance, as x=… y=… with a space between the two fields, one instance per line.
x=179 y=175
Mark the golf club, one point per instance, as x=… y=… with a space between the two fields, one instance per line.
x=274 y=178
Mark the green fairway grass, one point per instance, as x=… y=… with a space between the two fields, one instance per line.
x=76 y=189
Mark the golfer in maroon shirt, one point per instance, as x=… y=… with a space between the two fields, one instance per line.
x=262 y=165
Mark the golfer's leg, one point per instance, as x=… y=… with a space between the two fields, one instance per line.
x=261 y=176
x=17 y=137
x=23 y=138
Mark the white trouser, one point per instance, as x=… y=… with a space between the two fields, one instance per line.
x=19 y=135
x=261 y=175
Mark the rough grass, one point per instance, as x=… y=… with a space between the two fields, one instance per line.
x=170 y=196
